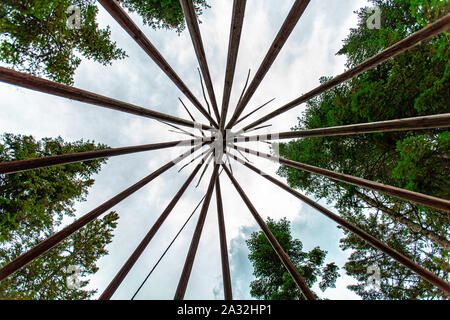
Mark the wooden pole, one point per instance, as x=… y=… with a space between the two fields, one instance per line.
x=180 y=130
x=196 y=36
x=190 y=115
x=186 y=273
x=307 y=293
x=8 y=167
x=294 y=15
x=433 y=29
x=168 y=247
x=65 y=91
x=416 y=123
x=115 y=283
x=237 y=22
x=203 y=90
x=228 y=293
x=425 y=274
x=249 y=114
x=211 y=156
x=116 y=11
x=52 y=241
x=416 y=197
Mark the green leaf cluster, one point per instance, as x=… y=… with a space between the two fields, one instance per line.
x=415 y=83
x=163 y=14
x=35 y=38
x=33 y=205
x=273 y=282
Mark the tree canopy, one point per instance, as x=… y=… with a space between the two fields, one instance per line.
x=414 y=83
x=37 y=200
x=33 y=205
x=163 y=14
x=273 y=281
x=36 y=38
x=48 y=277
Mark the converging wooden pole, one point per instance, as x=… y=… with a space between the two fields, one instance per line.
x=186 y=273
x=228 y=293
x=115 y=283
x=116 y=11
x=196 y=36
x=191 y=116
x=293 y=17
x=416 y=123
x=237 y=22
x=65 y=91
x=422 y=272
x=52 y=241
x=7 y=167
x=433 y=29
x=416 y=197
x=250 y=113
x=300 y=282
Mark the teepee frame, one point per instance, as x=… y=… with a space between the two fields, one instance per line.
x=219 y=124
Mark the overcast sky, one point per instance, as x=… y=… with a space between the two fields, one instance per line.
x=308 y=54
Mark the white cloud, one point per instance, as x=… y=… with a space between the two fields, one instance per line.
x=307 y=55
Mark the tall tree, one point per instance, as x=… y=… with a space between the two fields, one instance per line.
x=45 y=38
x=51 y=276
x=33 y=205
x=163 y=14
x=272 y=279
x=35 y=201
x=414 y=83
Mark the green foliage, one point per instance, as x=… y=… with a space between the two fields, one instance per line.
x=397 y=281
x=428 y=11
x=424 y=163
x=45 y=278
x=34 y=38
x=414 y=83
x=272 y=279
x=164 y=14
x=33 y=203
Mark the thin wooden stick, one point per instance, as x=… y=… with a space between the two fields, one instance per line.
x=245 y=86
x=117 y=280
x=242 y=155
x=237 y=22
x=53 y=240
x=180 y=129
x=257 y=109
x=201 y=154
x=229 y=162
x=186 y=273
x=258 y=128
x=203 y=91
x=425 y=274
x=307 y=293
x=433 y=29
x=187 y=110
x=168 y=247
x=415 y=197
x=115 y=10
x=35 y=83
x=204 y=169
x=183 y=133
x=293 y=17
x=190 y=115
x=194 y=31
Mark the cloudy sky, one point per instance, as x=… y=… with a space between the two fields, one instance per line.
x=308 y=54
